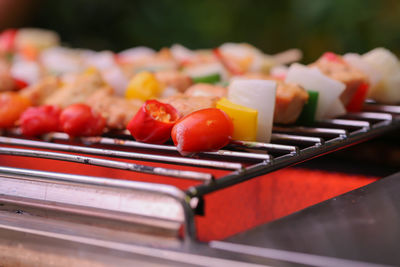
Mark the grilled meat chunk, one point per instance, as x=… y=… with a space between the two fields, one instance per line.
x=207 y=90
x=6 y=81
x=290 y=99
x=117 y=111
x=336 y=68
x=77 y=91
x=39 y=92
x=174 y=78
x=188 y=104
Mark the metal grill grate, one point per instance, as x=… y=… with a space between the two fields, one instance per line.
x=289 y=145
x=244 y=160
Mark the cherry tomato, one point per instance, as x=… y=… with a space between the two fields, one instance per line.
x=203 y=130
x=81 y=120
x=40 y=120
x=11 y=107
x=153 y=122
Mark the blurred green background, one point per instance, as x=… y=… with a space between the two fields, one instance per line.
x=314 y=26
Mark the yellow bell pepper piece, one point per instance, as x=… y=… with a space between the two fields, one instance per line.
x=143 y=86
x=244 y=119
x=91 y=71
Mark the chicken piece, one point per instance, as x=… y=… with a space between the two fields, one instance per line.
x=78 y=91
x=117 y=111
x=187 y=104
x=242 y=57
x=174 y=78
x=38 y=39
x=207 y=90
x=6 y=81
x=187 y=57
x=38 y=93
x=290 y=99
x=336 y=68
x=160 y=61
x=256 y=75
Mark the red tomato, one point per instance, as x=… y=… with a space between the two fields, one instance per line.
x=153 y=122
x=81 y=120
x=40 y=120
x=11 y=107
x=203 y=130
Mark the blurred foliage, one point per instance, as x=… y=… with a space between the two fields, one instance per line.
x=314 y=26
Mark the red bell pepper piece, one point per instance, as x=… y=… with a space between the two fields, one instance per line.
x=20 y=84
x=330 y=56
x=7 y=40
x=40 y=120
x=357 y=102
x=153 y=122
x=229 y=65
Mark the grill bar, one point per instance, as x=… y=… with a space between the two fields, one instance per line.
x=296 y=139
x=134 y=144
x=318 y=132
x=369 y=116
x=120 y=154
x=382 y=108
x=266 y=146
x=107 y=163
x=340 y=123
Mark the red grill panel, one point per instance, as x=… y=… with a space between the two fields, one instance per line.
x=246 y=205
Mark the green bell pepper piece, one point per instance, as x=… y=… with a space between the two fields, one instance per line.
x=212 y=78
x=307 y=115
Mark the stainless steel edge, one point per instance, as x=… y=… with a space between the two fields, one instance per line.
x=80 y=181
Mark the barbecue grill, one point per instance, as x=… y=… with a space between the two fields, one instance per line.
x=116 y=189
